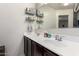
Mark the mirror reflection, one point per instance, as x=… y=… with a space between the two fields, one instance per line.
x=60 y=15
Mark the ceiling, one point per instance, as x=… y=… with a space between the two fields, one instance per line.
x=58 y=6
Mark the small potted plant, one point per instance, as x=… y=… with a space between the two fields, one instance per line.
x=39 y=22
x=29 y=20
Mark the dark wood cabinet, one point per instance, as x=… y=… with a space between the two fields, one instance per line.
x=32 y=48
x=2 y=50
x=37 y=50
x=27 y=46
x=49 y=53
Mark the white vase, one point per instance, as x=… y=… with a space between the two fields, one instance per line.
x=29 y=28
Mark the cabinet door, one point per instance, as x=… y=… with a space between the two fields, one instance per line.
x=33 y=48
x=25 y=46
x=49 y=53
x=2 y=50
x=29 y=47
x=37 y=50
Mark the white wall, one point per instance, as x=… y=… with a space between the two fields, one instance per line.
x=12 y=26
x=49 y=17
x=65 y=12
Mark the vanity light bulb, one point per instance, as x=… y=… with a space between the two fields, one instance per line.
x=65 y=4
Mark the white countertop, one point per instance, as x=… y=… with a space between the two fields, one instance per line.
x=62 y=48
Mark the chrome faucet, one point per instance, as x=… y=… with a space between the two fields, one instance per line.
x=58 y=37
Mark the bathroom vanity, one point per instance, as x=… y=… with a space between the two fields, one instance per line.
x=40 y=46
x=32 y=48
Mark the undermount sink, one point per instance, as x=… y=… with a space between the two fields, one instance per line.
x=52 y=41
x=55 y=42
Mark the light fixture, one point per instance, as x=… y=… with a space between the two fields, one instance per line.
x=65 y=4
x=45 y=3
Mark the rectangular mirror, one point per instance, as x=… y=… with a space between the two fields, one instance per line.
x=60 y=15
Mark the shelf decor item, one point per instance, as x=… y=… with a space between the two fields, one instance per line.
x=30 y=11
x=29 y=28
x=33 y=15
x=39 y=14
x=29 y=21
x=37 y=30
x=39 y=22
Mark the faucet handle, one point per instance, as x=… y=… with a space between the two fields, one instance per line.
x=60 y=38
x=56 y=37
